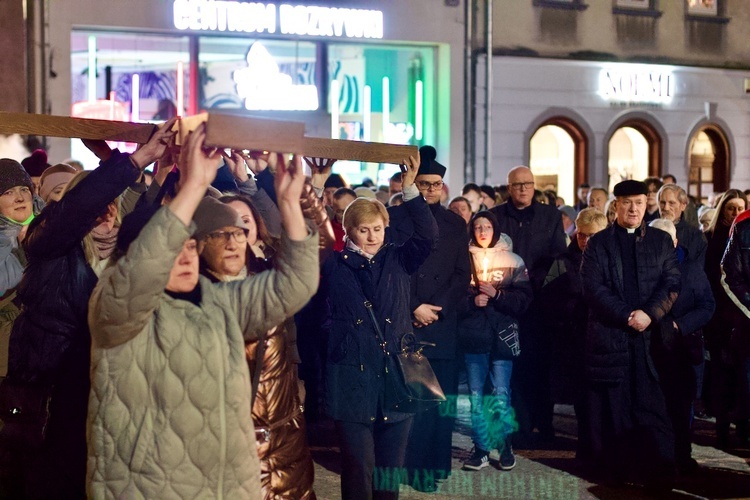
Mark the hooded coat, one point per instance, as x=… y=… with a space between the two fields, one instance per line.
x=507 y=273
x=170 y=392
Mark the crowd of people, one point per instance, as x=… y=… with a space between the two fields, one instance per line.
x=184 y=325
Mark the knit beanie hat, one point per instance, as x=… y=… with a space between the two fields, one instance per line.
x=212 y=215
x=428 y=165
x=54 y=177
x=36 y=163
x=334 y=181
x=12 y=174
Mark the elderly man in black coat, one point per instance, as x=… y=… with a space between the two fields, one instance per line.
x=673 y=201
x=537 y=234
x=631 y=280
x=679 y=345
x=436 y=291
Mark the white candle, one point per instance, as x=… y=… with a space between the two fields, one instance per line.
x=485 y=263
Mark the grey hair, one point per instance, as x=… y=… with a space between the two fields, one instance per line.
x=665 y=225
x=682 y=196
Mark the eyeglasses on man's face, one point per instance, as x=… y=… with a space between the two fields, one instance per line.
x=222 y=237
x=428 y=186
x=520 y=186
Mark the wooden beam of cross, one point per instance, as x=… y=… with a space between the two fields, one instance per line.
x=84 y=128
x=375 y=152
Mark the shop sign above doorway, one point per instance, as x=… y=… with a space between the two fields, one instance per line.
x=258 y=17
x=636 y=83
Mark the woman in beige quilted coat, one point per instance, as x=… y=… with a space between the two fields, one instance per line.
x=170 y=388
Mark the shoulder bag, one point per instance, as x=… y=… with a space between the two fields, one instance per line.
x=410 y=383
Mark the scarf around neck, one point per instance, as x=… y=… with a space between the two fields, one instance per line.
x=105 y=241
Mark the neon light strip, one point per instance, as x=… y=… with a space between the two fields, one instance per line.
x=367 y=118
x=418 y=111
x=92 y=69
x=386 y=106
x=335 y=109
x=112 y=105
x=180 y=88
x=135 y=96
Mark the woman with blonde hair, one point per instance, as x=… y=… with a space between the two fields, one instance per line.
x=369 y=292
x=67 y=246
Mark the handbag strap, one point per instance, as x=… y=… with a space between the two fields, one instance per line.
x=383 y=344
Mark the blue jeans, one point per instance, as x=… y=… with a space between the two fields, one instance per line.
x=492 y=417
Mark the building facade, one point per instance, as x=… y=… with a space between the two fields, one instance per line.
x=601 y=91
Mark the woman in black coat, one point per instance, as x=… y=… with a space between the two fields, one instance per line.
x=50 y=343
x=372 y=437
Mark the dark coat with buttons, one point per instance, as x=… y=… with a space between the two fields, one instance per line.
x=355 y=367
x=606 y=354
x=441 y=280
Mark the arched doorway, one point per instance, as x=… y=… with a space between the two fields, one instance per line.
x=708 y=167
x=558 y=157
x=634 y=152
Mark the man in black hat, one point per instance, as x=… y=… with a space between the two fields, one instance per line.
x=436 y=290
x=630 y=280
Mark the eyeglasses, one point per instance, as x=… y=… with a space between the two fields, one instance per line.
x=222 y=237
x=428 y=186
x=520 y=186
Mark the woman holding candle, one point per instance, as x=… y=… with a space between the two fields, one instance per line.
x=495 y=303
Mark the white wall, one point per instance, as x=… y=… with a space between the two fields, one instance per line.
x=526 y=88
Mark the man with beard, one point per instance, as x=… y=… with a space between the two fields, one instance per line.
x=436 y=290
x=673 y=200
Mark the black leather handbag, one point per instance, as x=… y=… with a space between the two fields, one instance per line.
x=411 y=385
x=24 y=414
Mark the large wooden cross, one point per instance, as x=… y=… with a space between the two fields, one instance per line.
x=222 y=130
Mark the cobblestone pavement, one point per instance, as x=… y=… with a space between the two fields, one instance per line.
x=549 y=472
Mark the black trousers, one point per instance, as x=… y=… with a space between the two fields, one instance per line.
x=428 y=456
x=630 y=430
x=372 y=458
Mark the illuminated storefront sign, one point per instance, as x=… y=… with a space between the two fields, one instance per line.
x=262 y=87
x=257 y=17
x=636 y=84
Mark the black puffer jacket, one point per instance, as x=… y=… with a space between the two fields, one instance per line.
x=355 y=364
x=50 y=340
x=606 y=355
x=736 y=273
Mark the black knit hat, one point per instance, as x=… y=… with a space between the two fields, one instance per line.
x=334 y=181
x=12 y=174
x=36 y=163
x=488 y=190
x=427 y=163
x=630 y=188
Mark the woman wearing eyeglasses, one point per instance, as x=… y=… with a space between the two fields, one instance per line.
x=234 y=243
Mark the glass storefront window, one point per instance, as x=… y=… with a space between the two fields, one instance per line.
x=552 y=161
x=628 y=156
x=258 y=74
x=383 y=94
x=126 y=77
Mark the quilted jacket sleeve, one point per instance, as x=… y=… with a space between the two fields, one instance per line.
x=662 y=298
x=264 y=300
x=128 y=293
x=597 y=291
